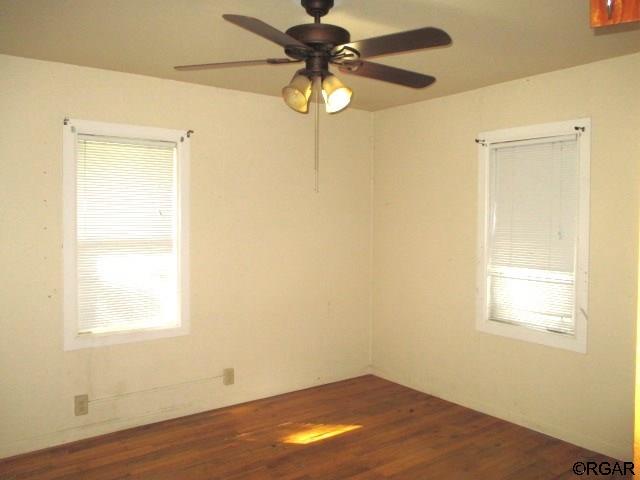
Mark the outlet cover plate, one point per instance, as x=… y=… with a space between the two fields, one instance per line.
x=228 y=376
x=81 y=405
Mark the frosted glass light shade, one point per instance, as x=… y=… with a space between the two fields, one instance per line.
x=296 y=95
x=336 y=95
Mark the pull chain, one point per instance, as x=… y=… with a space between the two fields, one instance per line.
x=318 y=86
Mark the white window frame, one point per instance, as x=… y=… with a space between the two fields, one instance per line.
x=73 y=340
x=578 y=341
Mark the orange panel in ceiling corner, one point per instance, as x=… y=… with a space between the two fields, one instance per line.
x=612 y=12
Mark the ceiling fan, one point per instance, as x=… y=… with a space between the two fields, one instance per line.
x=319 y=45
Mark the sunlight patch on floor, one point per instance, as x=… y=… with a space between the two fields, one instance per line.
x=315 y=432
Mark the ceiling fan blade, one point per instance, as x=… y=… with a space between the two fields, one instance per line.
x=264 y=30
x=244 y=63
x=400 y=42
x=386 y=73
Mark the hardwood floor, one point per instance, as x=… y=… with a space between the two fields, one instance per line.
x=388 y=432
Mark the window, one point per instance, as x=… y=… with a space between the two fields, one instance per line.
x=125 y=233
x=533 y=228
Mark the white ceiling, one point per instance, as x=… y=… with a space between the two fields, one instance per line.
x=493 y=40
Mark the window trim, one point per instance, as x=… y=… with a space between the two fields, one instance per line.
x=71 y=129
x=577 y=342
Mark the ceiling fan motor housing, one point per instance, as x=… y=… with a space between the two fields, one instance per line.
x=320 y=34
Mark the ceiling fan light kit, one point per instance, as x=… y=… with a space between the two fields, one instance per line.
x=320 y=45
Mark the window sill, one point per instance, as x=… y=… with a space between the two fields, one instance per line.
x=74 y=341
x=576 y=343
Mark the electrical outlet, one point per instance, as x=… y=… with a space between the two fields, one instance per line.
x=228 y=376
x=81 y=404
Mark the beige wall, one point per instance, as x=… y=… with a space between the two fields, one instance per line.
x=280 y=275
x=425 y=205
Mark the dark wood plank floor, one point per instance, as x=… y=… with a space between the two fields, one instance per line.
x=390 y=432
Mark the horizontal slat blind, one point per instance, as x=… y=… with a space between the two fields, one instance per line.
x=126 y=234
x=532 y=244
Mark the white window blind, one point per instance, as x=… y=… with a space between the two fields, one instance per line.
x=126 y=234
x=532 y=233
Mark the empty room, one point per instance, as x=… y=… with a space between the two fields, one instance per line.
x=318 y=239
